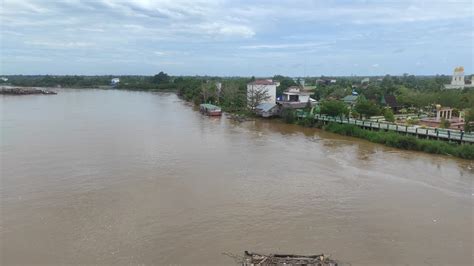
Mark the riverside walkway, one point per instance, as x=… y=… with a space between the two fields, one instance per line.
x=429 y=133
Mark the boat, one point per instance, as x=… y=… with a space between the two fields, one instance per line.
x=251 y=259
x=210 y=109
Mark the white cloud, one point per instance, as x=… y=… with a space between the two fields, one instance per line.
x=196 y=31
x=287 y=45
x=217 y=29
x=56 y=44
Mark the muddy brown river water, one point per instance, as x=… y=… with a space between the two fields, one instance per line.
x=119 y=177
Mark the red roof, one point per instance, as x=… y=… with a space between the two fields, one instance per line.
x=262 y=82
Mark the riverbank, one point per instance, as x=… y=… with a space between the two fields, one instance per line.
x=24 y=91
x=391 y=139
x=397 y=140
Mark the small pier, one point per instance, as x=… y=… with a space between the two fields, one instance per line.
x=427 y=133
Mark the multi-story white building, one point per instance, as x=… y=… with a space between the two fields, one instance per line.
x=261 y=87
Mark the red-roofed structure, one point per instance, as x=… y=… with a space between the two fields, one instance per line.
x=263 y=82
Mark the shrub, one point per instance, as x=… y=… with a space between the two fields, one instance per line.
x=289 y=116
x=444 y=123
x=388 y=114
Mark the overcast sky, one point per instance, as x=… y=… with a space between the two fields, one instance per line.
x=236 y=38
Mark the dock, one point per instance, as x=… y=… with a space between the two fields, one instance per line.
x=419 y=132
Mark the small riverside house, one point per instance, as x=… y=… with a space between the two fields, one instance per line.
x=296 y=94
x=350 y=99
x=267 y=109
x=390 y=101
x=296 y=97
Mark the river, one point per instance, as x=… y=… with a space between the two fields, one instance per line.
x=121 y=177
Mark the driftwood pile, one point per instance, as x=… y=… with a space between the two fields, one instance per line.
x=251 y=259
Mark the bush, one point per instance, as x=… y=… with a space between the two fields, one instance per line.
x=334 y=108
x=444 y=123
x=388 y=115
x=466 y=151
x=288 y=116
x=307 y=121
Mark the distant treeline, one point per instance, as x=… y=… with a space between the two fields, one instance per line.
x=54 y=81
x=409 y=90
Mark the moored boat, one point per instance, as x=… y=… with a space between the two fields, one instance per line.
x=210 y=109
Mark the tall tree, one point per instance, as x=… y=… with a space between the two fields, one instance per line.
x=232 y=95
x=161 y=78
x=256 y=96
x=208 y=92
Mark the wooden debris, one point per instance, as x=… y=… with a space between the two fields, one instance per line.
x=251 y=259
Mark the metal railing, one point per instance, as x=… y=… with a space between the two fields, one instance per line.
x=448 y=134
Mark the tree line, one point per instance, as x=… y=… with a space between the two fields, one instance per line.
x=409 y=90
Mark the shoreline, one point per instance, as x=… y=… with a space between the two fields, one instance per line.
x=17 y=91
x=403 y=142
x=388 y=139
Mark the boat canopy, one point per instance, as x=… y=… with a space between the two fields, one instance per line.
x=210 y=107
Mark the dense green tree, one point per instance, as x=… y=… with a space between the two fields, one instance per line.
x=469 y=120
x=373 y=91
x=233 y=96
x=161 y=78
x=208 y=93
x=334 y=108
x=339 y=92
x=285 y=83
x=367 y=108
x=388 y=84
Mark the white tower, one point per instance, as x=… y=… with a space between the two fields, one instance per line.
x=458 y=76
